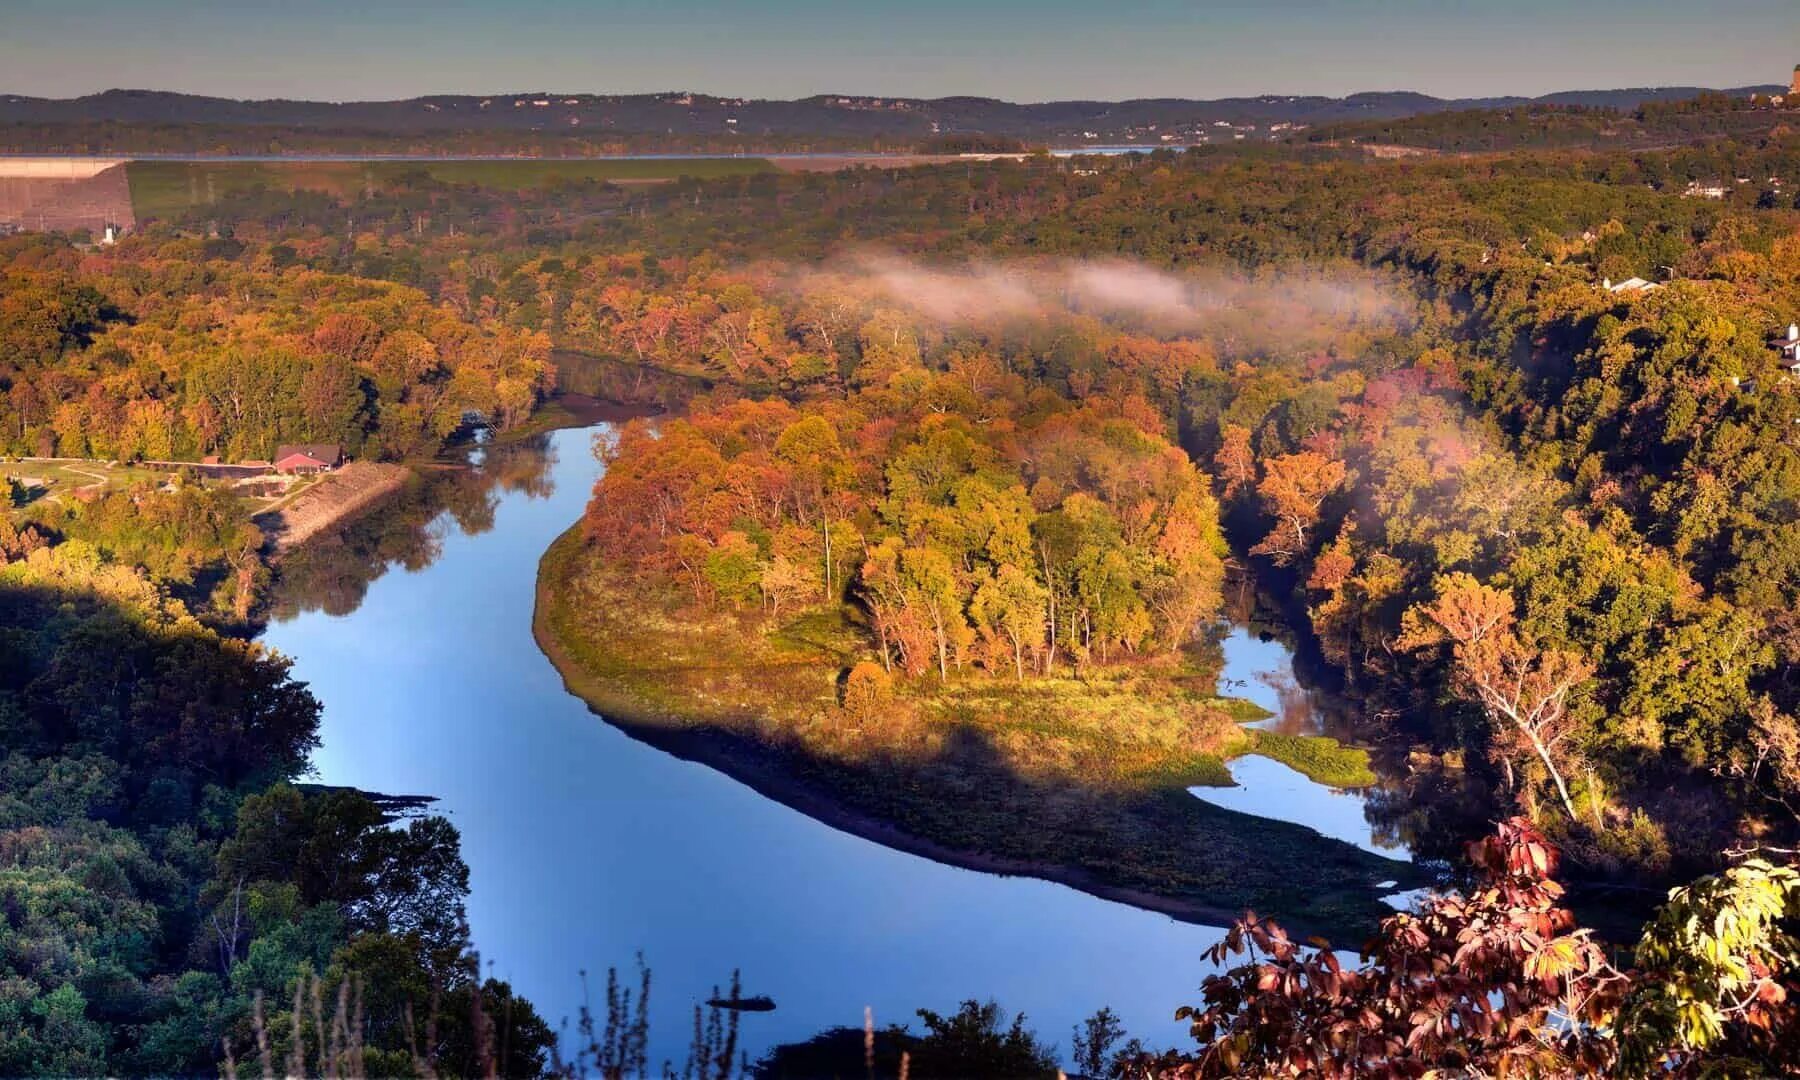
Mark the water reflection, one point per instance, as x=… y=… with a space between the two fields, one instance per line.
x=461 y=493
x=1267 y=788
x=1259 y=667
x=610 y=380
x=586 y=846
x=1421 y=807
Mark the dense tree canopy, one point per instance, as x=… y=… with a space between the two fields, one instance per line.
x=189 y=347
x=158 y=873
x=1549 y=528
x=971 y=526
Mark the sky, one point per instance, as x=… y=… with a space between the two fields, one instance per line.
x=1021 y=50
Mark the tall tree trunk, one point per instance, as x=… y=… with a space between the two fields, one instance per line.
x=1543 y=753
x=937 y=622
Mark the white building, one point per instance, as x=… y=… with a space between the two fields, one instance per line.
x=1789 y=347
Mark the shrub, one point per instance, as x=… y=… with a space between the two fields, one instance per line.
x=868 y=692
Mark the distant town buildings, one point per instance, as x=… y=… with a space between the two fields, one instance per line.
x=1629 y=285
x=1794 y=87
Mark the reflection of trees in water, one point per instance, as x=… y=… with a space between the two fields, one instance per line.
x=1432 y=810
x=1419 y=803
x=623 y=383
x=1240 y=599
x=522 y=467
x=333 y=571
x=1294 y=713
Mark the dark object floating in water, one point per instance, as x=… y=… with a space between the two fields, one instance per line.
x=759 y=1003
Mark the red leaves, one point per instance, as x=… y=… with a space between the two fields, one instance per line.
x=1517 y=850
x=1471 y=983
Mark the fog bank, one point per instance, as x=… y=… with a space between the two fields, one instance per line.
x=1124 y=292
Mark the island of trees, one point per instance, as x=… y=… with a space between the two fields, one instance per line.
x=933 y=551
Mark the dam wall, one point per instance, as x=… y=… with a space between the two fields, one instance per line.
x=55 y=168
x=43 y=194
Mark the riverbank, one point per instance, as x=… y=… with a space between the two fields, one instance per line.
x=334 y=499
x=339 y=497
x=1082 y=782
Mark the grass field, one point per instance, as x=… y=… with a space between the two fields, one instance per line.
x=162 y=189
x=64 y=476
x=58 y=481
x=1082 y=780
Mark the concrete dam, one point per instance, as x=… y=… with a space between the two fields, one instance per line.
x=62 y=193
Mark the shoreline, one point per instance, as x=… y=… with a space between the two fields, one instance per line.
x=327 y=504
x=377 y=481
x=632 y=718
x=759 y=768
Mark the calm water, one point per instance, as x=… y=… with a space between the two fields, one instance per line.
x=1263 y=671
x=586 y=847
x=1267 y=788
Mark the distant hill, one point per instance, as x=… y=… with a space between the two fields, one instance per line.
x=1541 y=125
x=683 y=118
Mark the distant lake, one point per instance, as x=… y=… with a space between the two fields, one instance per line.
x=820 y=155
x=586 y=847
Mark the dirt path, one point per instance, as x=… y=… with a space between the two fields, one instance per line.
x=99 y=480
x=334 y=498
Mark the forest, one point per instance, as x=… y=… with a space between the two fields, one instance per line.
x=1516 y=428
x=164 y=881
x=977 y=446
x=1541 y=125
x=188 y=348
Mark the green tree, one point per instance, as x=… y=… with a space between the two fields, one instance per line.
x=1010 y=606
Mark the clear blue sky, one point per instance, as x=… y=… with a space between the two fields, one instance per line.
x=1024 y=50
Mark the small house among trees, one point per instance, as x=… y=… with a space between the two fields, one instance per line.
x=1788 y=346
x=303 y=458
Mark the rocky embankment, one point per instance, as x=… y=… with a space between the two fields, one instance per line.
x=335 y=498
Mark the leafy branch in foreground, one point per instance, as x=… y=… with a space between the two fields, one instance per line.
x=1500 y=980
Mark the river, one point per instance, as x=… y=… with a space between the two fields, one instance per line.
x=586 y=847
x=1262 y=670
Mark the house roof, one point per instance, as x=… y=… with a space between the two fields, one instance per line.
x=323 y=453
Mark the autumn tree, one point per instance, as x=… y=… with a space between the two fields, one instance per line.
x=1010 y=607
x=1234 y=459
x=1469 y=984
x=868 y=692
x=931 y=586
x=819 y=470
x=1500 y=980
x=899 y=624
x=1524 y=690
x=1294 y=487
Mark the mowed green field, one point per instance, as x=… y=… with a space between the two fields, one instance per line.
x=162 y=189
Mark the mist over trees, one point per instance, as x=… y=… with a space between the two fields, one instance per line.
x=1543 y=530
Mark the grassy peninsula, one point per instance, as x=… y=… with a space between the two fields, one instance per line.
x=1081 y=781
